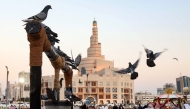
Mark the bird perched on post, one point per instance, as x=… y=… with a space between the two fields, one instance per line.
x=40 y=16
x=151 y=56
x=131 y=69
x=60 y=81
x=80 y=81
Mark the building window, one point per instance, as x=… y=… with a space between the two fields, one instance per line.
x=130 y=84
x=114 y=89
x=178 y=86
x=125 y=84
x=107 y=83
x=80 y=90
x=131 y=96
x=87 y=83
x=26 y=79
x=93 y=83
x=73 y=83
x=101 y=89
x=107 y=89
x=93 y=90
x=108 y=97
x=114 y=83
x=131 y=90
x=114 y=96
x=121 y=83
x=122 y=96
x=101 y=83
x=101 y=96
x=74 y=89
x=121 y=90
x=126 y=91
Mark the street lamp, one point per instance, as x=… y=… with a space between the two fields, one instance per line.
x=21 y=80
x=7 y=86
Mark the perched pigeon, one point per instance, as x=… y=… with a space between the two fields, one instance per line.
x=80 y=81
x=48 y=30
x=76 y=61
x=131 y=69
x=151 y=56
x=175 y=59
x=40 y=16
x=60 y=81
x=44 y=97
x=49 y=93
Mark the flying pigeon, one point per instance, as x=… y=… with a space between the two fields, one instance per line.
x=40 y=16
x=80 y=81
x=175 y=59
x=60 y=81
x=131 y=69
x=151 y=56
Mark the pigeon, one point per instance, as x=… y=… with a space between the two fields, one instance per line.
x=49 y=93
x=60 y=81
x=44 y=97
x=48 y=30
x=40 y=16
x=151 y=56
x=80 y=82
x=131 y=69
x=76 y=61
x=175 y=59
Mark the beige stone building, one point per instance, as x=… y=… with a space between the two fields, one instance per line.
x=105 y=86
x=18 y=89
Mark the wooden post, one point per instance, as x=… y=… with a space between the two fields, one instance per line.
x=35 y=34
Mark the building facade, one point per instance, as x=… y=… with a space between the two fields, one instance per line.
x=144 y=97
x=183 y=82
x=21 y=90
x=1 y=94
x=102 y=85
x=161 y=91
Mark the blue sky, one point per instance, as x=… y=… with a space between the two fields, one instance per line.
x=123 y=26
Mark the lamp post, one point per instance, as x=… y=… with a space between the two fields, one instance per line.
x=21 y=80
x=87 y=86
x=7 y=86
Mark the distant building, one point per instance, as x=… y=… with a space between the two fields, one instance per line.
x=183 y=82
x=105 y=86
x=18 y=89
x=144 y=97
x=161 y=91
x=1 y=94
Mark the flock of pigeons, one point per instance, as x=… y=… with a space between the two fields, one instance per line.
x=52 y=37
x=150 y=62
x=151 y=56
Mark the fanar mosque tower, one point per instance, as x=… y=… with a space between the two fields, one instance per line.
x=94 y=61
